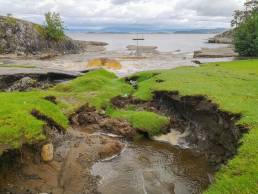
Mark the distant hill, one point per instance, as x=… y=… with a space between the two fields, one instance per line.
x=202 y=31
x=147 y=30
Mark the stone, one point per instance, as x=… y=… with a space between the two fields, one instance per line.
x=105 y=62
x=22 y=84
x=26 y=38
x=215 y=52
x=47 y=152
x=110 y=148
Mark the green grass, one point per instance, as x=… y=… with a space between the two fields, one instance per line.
x=234 y=87
x=148 y=122
x=17 y=66
x=18 y=126
x=95 y=88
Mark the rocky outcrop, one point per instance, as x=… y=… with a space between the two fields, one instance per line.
x=26 y=38
x=215 y=52
x=223 y=38
x=23 y=79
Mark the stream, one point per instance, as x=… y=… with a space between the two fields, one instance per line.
x=153 y=167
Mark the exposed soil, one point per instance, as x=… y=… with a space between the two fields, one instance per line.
x=74 y=153
x=88 y=119
x=205 y=128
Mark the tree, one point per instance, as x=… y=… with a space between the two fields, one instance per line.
x=246 y=36
x=54 y=27
x=240 y=16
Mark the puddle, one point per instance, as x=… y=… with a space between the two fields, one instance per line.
x=152 y=167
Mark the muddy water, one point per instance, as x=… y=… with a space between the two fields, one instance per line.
x=151 y=167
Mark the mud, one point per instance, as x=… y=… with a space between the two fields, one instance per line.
x=69 y=172
x=195 y=123
x=206 y=128
x=88 y=119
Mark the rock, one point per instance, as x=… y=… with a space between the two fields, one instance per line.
x=223 y=38
x=197 y=62
x=117 y=126
x=215 y=52
x=22 y=84
x=105 y=62
x=12 y=77
x=110 y=148
x=47 y=152
x=27 y=38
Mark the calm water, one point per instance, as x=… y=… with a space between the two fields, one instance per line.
x=165 y=42
x=150 y=167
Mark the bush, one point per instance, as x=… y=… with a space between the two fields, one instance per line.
x=246 y=37
x=54 y=28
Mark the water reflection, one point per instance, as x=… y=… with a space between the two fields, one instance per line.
x=152 y=167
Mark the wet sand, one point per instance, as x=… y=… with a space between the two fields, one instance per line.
x=130 y=63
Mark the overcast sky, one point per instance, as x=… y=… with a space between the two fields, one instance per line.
x=156 y=14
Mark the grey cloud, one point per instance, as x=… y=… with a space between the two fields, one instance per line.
x=99 y=14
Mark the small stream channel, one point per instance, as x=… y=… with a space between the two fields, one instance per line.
x=152 y=167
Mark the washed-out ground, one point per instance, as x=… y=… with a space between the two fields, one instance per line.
x=101 y=87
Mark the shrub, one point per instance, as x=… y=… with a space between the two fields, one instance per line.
x=54 y=28
x=246 y=37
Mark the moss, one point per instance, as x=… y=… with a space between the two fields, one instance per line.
x=18 y=126
x=232 y=85
x=10 y=20
x=149 y=122
x=16 y=66
x=40 y=29
x=95 y=88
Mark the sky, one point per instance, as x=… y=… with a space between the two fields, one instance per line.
x=97 y=15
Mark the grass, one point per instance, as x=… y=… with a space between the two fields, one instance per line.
x=95 y=88
x=234 y=87
x=148 y=122
x=17 y=66
x=18 y=126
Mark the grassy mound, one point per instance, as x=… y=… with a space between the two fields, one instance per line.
x=234 y=87
x=18 y=126
x=148 y=122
